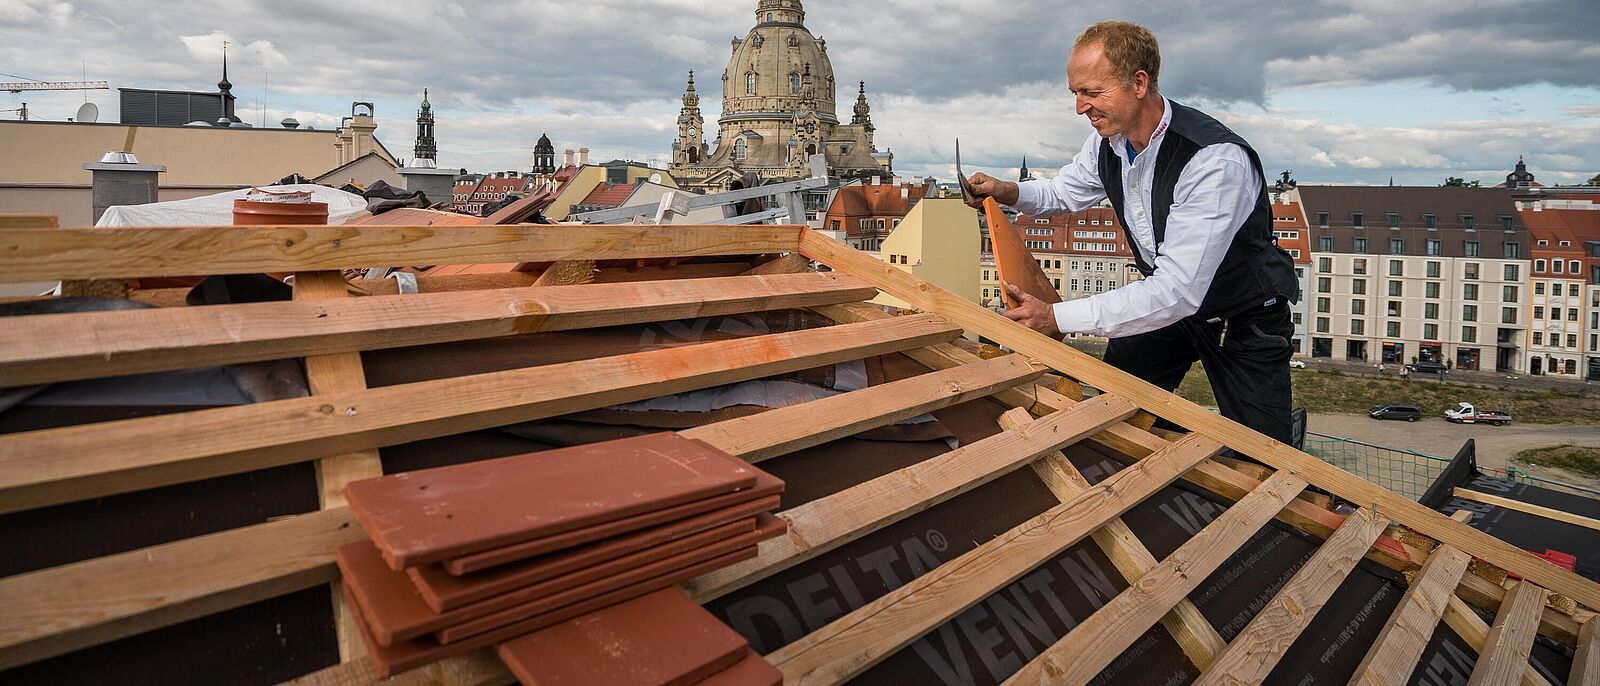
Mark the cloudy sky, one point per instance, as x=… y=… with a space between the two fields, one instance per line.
x=1339 y=91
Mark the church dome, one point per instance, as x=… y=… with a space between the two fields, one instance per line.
x=544 y=144
x=776 y=66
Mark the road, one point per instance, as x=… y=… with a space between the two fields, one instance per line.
x=1434 y=436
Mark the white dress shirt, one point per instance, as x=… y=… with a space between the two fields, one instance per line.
x=1215 y=193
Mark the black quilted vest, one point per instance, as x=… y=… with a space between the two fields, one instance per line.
x=1255 y=270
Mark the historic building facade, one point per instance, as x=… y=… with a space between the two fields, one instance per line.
x=778 y=109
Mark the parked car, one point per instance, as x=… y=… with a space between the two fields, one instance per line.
x=1428 y=367
x=1409 y=413
x=1466 y=413
x=1297 y=364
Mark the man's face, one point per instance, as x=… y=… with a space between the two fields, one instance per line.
x=1109 y=104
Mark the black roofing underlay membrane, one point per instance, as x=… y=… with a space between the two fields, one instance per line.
x=277 y=639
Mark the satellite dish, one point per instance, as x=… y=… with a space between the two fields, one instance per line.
x=655 y=179
x=88 y=113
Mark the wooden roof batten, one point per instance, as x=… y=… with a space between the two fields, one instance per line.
x=58 y=610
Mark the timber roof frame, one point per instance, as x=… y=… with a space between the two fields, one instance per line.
x=343 y=425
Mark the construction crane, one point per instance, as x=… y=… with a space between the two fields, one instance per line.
x=19 y=86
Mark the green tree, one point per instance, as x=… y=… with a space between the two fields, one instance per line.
x=1594 y=180
x=1458 y=182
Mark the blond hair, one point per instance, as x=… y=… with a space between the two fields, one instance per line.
x=1129 y=48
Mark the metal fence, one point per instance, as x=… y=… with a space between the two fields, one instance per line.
x=1408 y=472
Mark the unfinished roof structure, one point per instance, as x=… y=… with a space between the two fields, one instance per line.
x=952 y=518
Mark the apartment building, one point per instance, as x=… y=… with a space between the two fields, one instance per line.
x=1290 y=231
x=1404 y=274
x=1564 y=335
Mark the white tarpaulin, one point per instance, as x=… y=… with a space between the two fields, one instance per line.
x=217 y=210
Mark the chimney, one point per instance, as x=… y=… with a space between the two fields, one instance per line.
x=583 y=156
x=566 y=156
x=119 y=179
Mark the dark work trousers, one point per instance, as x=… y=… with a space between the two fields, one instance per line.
x=1246 y=356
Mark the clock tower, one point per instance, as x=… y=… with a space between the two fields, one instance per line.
x=690 y=149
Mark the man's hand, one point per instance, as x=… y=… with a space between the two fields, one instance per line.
x=1032 y=312
x=982 y=186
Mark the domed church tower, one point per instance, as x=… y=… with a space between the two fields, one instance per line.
x=778 y=108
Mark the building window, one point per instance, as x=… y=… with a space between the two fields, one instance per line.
x=1322 y=220
x=1572 y=290
x=1325 y=244
x=1511 y=250
x=1298 y=319
x=1392 y=329
x=1468 y=223
x=1572 y=314
x=1434 y=247
x=1508 y=315
x=1572 y=342
x=1575 y=268
x=1469 y=313
x=1358 y=266
x=1358 y=220
x=1469 y=292
x=1397 y=268
x=1360 y=245
x=1433 y=270
x=1397 y=246
x=1323 y=304
x=750 y=83
x=1557 y=267
x=1470 y=272
x=1324 y=284
x=1358 y=327
x=1358 y=307
x=1507 y=223
x=1538 y=338
x=1430 y=289
x=1469 y=248
x=1325 y=264
x=1395 y=289
x=1430 y=332
x=1509 y=294
x=1394 y=220
x=1512 y=273
x=1358 y=286
x=1540 y=266
x=1431 y=221
x=1430 y=311
x=1394 y=308
x=740 y=149
x=794 y=82
x=1322 y=324
x=1469 y=334
x=1538 y=288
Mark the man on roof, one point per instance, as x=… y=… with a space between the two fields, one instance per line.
x=1193 y=201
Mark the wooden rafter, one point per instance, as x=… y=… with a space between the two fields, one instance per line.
x=1504 y=656
x=51 y=466
x=1257 y=649
x=127 y=253
x=1127 y=553
x=66 y=347
x=1400 y=644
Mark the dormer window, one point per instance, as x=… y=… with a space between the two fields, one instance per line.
x=740 y=149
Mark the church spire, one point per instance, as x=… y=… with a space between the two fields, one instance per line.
x=690 y=97
x=1024 y=175
x=863 y=109
x=426 y=148
x=224 y=85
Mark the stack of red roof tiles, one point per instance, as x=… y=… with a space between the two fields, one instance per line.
x=474 y=555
